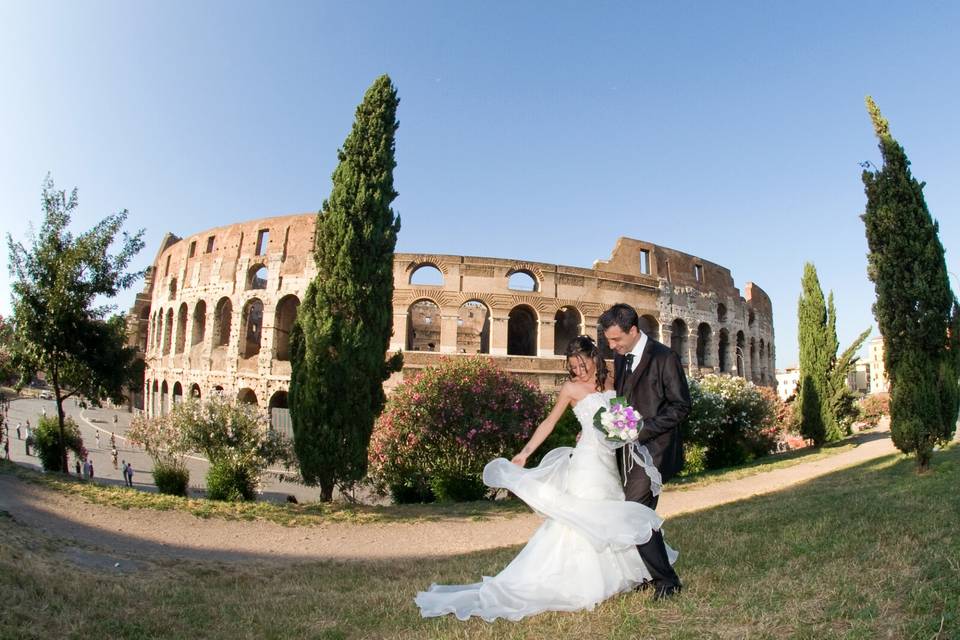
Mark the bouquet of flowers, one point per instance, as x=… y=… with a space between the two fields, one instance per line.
x=620 y=423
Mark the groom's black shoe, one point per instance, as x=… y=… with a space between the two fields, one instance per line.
x=664 y=591
x=643 y=586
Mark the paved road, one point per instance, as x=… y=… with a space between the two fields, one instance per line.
x=93 y=421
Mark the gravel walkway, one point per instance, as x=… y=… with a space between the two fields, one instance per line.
x=143 y=533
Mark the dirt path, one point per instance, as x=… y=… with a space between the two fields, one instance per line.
x=148 y=533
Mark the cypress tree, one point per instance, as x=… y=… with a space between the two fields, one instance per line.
x=814 y=358
x=344 y=324
x=915 y=306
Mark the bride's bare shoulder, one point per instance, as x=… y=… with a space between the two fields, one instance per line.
x=572 y=391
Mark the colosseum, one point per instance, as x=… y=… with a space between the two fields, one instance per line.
x=217 y=307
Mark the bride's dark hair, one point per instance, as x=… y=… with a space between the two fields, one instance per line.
x=583 y=347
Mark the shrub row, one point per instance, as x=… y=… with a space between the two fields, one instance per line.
x=440 y=428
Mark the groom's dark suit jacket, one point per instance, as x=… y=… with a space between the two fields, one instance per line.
x=658 y=389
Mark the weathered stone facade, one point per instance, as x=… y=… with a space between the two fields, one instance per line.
x=217 y=307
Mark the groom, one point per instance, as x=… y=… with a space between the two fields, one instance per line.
x=650 y=376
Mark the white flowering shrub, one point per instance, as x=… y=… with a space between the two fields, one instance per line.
x=234 y=437
x=732 y=419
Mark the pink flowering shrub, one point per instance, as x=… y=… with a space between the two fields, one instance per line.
x=440 y=428
x=875 y=406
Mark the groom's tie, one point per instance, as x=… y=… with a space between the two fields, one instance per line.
x=629 y=359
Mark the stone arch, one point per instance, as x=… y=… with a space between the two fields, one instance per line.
x=177 y=395
x=257 y=276
x=172 y=290
x=195 y=391
x=247 y=396
x=650 y=326
x=279 y=410
x=153 y=332
x=168 y=332
x=567 y=325
x=741 y=356
x=155 y=400
x=722 y=364
x=522 y=324
x=222 y=319
x=251 y=328
x=143 y=330
x=679 y=335
x=423 y=325
x=751 y=318
x=753 y=358
x=763 y=362
x=284 y=317
x=721 y=312
x=473 y=327
x=181 y=327
x=704 y=341
x=522 y=280
x=426 y=274
x=199 y=323
x=164 y=398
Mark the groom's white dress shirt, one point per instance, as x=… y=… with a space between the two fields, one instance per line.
x=637 y=351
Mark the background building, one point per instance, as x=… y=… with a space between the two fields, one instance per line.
x=878 y=373
x=787 y=381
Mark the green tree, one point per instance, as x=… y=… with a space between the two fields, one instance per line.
x=343 y=327
x=58 y=328
x=7 y=370
x=842 y=401
x=827 y=406
x=915 y=307
x=815 y=358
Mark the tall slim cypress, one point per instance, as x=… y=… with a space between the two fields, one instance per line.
x=914 y=301
x=344 y=324
x=814 y=358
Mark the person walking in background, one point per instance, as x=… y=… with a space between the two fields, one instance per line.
x=19 y=436
x=98 y=438
x=76 y=465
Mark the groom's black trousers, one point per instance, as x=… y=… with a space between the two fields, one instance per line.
x=653 y=552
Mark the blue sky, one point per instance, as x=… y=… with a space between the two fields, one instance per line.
x=532 y=130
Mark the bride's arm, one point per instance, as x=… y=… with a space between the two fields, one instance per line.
x=545 y=428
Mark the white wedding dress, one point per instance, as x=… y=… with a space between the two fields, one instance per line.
x=582 y=554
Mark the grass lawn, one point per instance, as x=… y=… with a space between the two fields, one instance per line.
x=869 y=552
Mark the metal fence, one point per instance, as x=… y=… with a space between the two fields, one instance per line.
x=280 y=421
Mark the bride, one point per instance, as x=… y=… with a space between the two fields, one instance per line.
x=585 y=551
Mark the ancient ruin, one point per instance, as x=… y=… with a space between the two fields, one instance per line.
x=217 y=308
